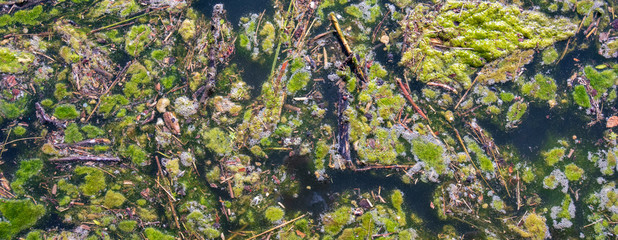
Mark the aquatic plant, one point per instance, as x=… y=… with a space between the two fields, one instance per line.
x=27 y=169
x=113 y=199
x=573 y=172
x=550 y=55
x=136 y=39
x=94 y=181
x=580 y=96
x=554 y=155
x=19 y=130
x=273 y=214
x=66 y=112
x=18 y=215
x=12 y=61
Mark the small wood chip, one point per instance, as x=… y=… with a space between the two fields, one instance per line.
x=612 y=122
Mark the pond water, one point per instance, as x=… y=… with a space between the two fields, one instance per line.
x=174 y=119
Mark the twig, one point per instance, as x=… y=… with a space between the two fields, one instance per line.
x=17 y=140
x=85 y=159
x=277 y=227
x=466 y=94
x=407 y=95
x=118 y=77
x=348 y=51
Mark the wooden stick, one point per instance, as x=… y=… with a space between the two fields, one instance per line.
x=85 y=159
x=346 y=47
x=277 y=227
x=407 y=95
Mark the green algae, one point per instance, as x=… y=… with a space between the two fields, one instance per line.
x=235 y=136
x=515 y=113
x=27 y=170
x=18 y=215
x=187 y=30
x=113 y=199
x=542 y=88
x=600 y=81
x=72 y=134
x=136 y=39
x=430 y=153
x=19 y=131
x=94 y=181
x=468 y=39
x=154 y=234
x=66 y=112
x=12 y=61
x=10 y=110
x=535 y=227
x=273 y=214
x=267 y=32
x=573 y=172
x=554 y=155
x=298 y=81
x=137 y=155
x=550 y=55
x=127 y=225
x=580 y=96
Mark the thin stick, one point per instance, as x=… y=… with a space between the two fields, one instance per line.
x=120 y=75
x=466 y=94
x=17 y=140
x=472 y=161
x=277 y=227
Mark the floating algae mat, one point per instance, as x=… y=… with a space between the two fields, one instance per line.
x=308 y=119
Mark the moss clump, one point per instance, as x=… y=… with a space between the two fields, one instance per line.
x=543 y=88
x=573 y=172
x=154 y=234
x=61 y=91
x=516 y=111
x=10 y=110
x=430 y=153
x=66 y=112
x=127 y=225
x=335 y=221
x=273 y=214
x=136 y=39
x=72 y=134
x=507 y=96
x=554 y=155
x=581 y=96
x=94 y=180
x=549 y=55
x=18 y=215
x=397 y=199
x=92 y=131
x=600 y=81
x=217 y=141
x=535 y=227
x=34 y=235
x=528 y=175
x=137 y=155
x=268 y=34
x=47 y=103
x=298 y=81
x=111 y=103
x=19 y=130
x=477 y=33
x=113 y=199
x=187 y=30
x=27 y=169
x=14 y=61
